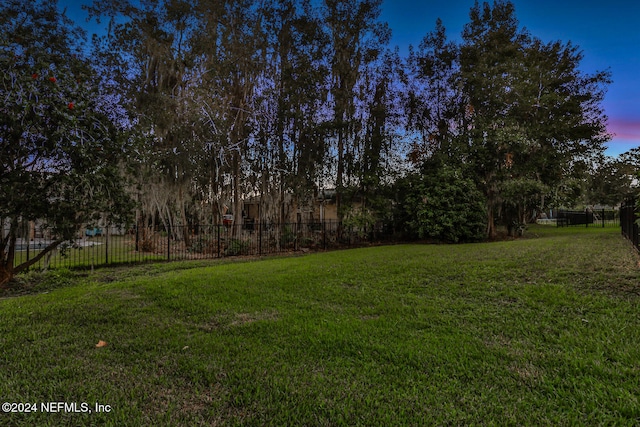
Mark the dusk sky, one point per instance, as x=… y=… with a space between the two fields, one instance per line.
x=608 y=33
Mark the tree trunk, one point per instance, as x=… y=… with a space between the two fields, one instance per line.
x=6 y=274
x=183 y=212
x=237 y=202
x=8 y=271
x=491 y=193
x=491 y=223
x=339 y=177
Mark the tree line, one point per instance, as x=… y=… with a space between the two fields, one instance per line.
x=183 y=109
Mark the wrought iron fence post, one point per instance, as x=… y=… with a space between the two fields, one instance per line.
x=169 y=243
x=106 y=246
x=628 y=223
x=352 y=238
x=324 y=235
x=586 y=218
x=635 y=228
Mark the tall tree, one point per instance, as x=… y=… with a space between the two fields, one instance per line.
x=613 y=180
x=492 y=49
x=232 y=45
x=148 y=54
x=299 y=92
x=382 y=119
x=529 y=105
x=357 y=38
x=59 y=152
x=432 y=97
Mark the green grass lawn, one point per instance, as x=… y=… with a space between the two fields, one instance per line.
x=538 y=331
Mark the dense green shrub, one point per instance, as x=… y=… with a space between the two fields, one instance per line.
x=521 y=201
x=359 y=221
x=237 y=247
x=441 y=204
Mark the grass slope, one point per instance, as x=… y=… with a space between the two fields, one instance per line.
x=538 y=331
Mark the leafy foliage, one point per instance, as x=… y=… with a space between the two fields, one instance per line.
x=504 y=105
x=522 y=199
x=237 y=247
x=613 y=180
x=359 y=220
x=59 y=150
x=442 y=204
x=283 y=99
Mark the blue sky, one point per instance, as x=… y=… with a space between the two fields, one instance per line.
x=607 y=31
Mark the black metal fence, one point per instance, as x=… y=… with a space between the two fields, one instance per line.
x=98 y=247
x=628 y=222
x=588 y=218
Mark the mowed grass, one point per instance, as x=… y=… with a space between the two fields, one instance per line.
x=537 y=331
